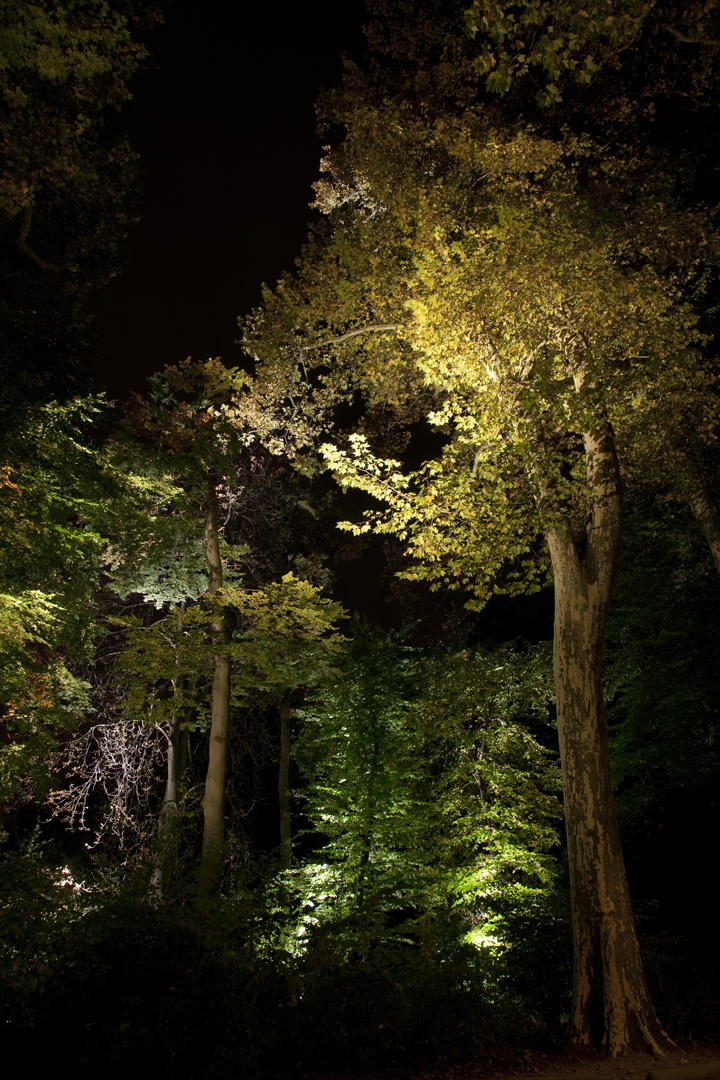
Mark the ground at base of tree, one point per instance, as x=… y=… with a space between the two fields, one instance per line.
x=517 y=1065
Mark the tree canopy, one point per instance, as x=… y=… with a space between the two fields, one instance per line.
x=494 y=368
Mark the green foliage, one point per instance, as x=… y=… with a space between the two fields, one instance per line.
x=566 y=42
x=114 y=980
x=40 y=696
x=661 y=667
x=428 y=787
x=61 y=69
x=166 y=564
x=553 y=41
x=529 y=284
x=501 y=551
x=58 y=497
x=287 y=638
x=166 y=667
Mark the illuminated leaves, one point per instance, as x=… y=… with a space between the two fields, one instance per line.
x=425 y=780
x=286 y=638
x=539 y=285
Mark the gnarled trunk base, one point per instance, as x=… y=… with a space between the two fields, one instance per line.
x=612 y=1010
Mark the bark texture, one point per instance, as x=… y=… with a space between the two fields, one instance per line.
x=213 y=803
x=283 y=786
x=612 y=1009
x=163 y=861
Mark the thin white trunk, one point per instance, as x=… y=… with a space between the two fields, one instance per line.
x=163 y=858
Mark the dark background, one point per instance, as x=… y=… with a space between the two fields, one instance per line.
x=224 y=124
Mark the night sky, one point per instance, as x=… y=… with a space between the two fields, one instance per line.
x=225 y=129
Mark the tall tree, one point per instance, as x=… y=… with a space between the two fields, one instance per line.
x=191 y=418
x=287 y=642
x=68 y=179
x=201 y=417
x=540 y=288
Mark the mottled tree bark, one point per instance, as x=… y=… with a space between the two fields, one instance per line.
x=213 y=802
x=611 y=1009
x=283 y=786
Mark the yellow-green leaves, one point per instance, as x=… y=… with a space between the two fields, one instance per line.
x=287 y=637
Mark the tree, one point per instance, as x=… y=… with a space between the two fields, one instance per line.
x=640 y=76
x=287 y=642
x=201 y=417
x=192 y=419
x=68 y=181
x=58 y=505
x=65 y=174
x=426 y=784
x=541 y=289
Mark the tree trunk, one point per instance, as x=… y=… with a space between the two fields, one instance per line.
x=283 y=786
x=163 y=859
x=367 y=835
x=612 y=1009
x=213 y=803
x=695 y=491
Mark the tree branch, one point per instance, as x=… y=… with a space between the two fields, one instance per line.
x=25 y=248
x=350 y=334
x=691 y=40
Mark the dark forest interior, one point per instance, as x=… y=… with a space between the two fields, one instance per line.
x=359 y=537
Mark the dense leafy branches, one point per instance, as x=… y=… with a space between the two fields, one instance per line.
x=66 y=176
x=68 y=182
x=58 y=499
x=431 y=791
x=544 y=284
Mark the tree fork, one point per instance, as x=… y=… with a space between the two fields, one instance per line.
x=22 y=244
x=612 y=1009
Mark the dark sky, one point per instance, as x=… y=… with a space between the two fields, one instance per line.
x=225 y=128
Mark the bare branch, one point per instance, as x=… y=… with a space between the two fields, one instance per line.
x=350 y=334
x=691 y=40
x=25 y=248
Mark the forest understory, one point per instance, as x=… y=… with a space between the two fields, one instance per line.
x=360 y=704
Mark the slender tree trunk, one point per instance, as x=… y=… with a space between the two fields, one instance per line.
x=698 y=496
x=163 y=860
x=213 y=803
x=283 y=786
x=177 y=738
x=612 y=1009
x=367 y=836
